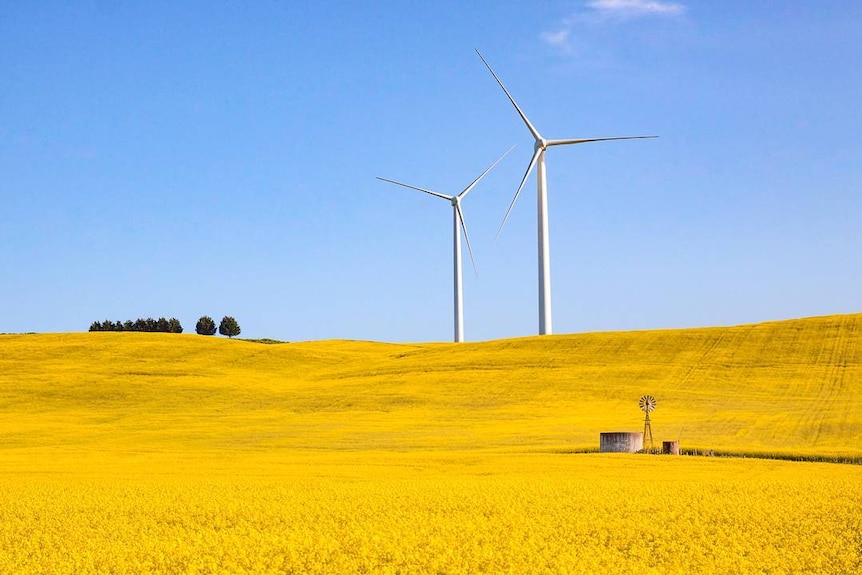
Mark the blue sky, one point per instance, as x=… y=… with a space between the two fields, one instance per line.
x=190 y=158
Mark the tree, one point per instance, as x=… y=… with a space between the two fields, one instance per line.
x=228 y=326
x=205 y=326
x=174 y=325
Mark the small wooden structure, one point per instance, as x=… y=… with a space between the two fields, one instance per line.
x=670 y=447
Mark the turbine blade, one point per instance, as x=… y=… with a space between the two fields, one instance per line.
x=587 y=140
x=523 y=180
x=530 y=126
x=438 y=194
x=466 y=237
x=482 y=175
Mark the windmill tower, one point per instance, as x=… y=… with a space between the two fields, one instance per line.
x=647 y=404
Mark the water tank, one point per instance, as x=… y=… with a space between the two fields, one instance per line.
x=621 y=442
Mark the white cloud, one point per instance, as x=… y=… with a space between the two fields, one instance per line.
x=597 y=12
x=634 y=8
x=560 y=38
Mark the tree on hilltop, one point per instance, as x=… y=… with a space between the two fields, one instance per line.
x=228 y=326
x=205 y=326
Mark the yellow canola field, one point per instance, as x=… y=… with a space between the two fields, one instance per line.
x=781 y=387
x=578 y=514
x=162 y=453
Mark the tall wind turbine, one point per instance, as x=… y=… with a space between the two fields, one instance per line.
x=541 y=145
x=457 y=225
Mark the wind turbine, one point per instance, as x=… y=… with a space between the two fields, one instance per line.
x=457 y=225
x=541 y=145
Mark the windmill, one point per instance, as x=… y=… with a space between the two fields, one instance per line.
x=647 y=404
x=457 y=225
x=541 y=145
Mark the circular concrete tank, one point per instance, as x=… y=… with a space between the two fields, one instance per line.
x=621 y=442
x=670 y=447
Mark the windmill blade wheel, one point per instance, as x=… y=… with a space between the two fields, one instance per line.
x=647 y=403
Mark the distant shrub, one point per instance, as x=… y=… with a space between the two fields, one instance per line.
x=107 y=325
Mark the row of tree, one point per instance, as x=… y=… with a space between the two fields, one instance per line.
x=228 y=326
x=172 y=325
x=205 y=326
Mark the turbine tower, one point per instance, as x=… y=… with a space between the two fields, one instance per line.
x=541 y=145
x=457 y=225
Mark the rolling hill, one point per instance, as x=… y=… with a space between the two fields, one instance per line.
x=791 y=387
